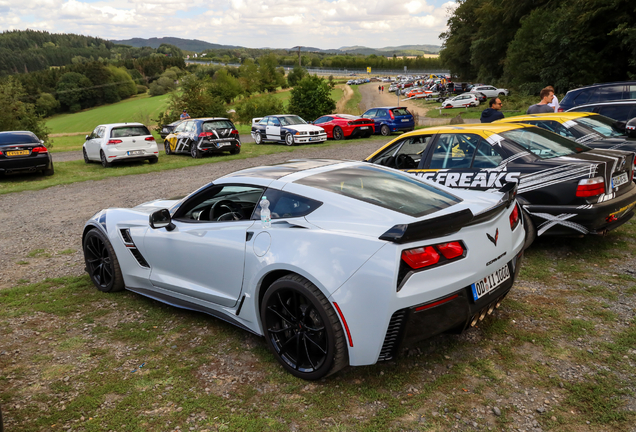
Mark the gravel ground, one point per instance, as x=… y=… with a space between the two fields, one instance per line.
x=45 y=224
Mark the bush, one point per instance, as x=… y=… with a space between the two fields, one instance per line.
x=156 y=90
x=246 y=110
x=46 y=104
x=141 y=89
x=311 y=98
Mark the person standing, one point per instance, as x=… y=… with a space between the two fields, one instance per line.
x=493 y=113
x=379 y=89
x=542 y=106
x=184 y=115
x=555 y=101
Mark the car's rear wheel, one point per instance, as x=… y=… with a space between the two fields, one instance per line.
x=194 y=151
x=235 y=151
x=531 y=230
x=86 y=159
x=337 y=133
x=49 y=171
x=289 y=139
x=101 y=262
x=102 y=158
x=153 y=160
x=385 y=131
x=302 y=329
x=258 y=139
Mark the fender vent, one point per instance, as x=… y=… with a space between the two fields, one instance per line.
x=139 y=257
x=393 y=336
x=130 y=244
x=125 y=234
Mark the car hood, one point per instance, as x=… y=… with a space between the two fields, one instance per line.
x=305 y=128
x=151 y=206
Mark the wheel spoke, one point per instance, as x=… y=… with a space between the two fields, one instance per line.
x=324 y=351
x=284 y=347
x=298 y=350
x=273 y=330
x=282 y=303
x=270 y=308
x=313 y=366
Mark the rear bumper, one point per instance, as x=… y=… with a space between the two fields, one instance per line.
x=586 y=219
x=219 y=146
x=456 y=312
x=358 y=131
x=25 y=164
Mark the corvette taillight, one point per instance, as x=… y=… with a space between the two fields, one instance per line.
x=514 y=217
x=427 y=256
x=150 y=138
x=590 y=187
x=113 y=142
x=39 y=149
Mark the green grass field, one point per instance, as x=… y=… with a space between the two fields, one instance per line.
x=141 y=108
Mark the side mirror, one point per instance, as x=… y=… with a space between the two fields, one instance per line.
x=630 y=128
x=88 y=137
x=161 y=219
x=620 y=125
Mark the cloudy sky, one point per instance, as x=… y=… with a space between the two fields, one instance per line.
x=250 y=23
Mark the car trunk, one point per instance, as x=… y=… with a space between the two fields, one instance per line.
x=131 y=138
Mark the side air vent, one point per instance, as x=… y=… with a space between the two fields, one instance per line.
x=393 y=335
x=130 y=244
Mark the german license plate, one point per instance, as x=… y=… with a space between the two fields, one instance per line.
x=405 y=120
x=364 y=127
x=619 y=180
x=135 y=152
x=223 y=144
x=18 y=153
x=490 y=282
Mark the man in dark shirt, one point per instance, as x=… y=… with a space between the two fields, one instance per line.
x=493 y=113
x=542 y=107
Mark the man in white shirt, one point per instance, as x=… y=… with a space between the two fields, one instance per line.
x=555 y=101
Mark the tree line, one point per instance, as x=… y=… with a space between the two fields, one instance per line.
x=528 y=44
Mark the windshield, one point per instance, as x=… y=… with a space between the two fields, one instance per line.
x=543 y=143
x=600 y=124
x=291 y=120
x=390 y=189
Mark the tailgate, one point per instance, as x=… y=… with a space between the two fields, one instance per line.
x=617 y=169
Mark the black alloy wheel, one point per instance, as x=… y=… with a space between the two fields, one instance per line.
x=101 y=262
x=337 y=133
x=258 y=139
x=302 y=329
x=105 y=162
x=166 y=146
x=385 y=131
x=289 y=139
x=194 y=151
x=86 y=159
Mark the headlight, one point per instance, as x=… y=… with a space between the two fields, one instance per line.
x=301 y=133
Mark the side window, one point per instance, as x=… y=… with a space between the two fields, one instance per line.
x=454 y=151
x=369 y=114
x=180 y=127
x=487 y=156
x=631 y=92
x=95 y=133
x=192 y=126
x=616 y=112
x=324 y=119
x=607 y=93
x=273 y=121
x=583 y=96
x=381 y=113
x=263 y=121
x=221 y=204
x=286 y=205
x=554 y=126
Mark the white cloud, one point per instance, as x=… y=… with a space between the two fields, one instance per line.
x=251 y=23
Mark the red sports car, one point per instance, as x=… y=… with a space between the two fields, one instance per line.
x=341 y=126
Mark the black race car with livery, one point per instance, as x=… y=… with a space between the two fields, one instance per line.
x=197 y=137
x=288 y=129
x=564 y=187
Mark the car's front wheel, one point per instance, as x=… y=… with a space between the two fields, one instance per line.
x=302 y=329
x=102 y=158
x=86 y=159
x=258 y=139
x=385 y=131
x=101 y=262
x=166 y=146
x=289 y=139
x=337 y=133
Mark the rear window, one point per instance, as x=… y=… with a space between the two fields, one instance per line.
x=400 y=111
x=18 y=138
x=601 y=124
x=543 y=143
x=129 y=131
x=392 y=190
x=217 y=124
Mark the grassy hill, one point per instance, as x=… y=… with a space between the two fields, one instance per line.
x=185 y=44
x=142 y=108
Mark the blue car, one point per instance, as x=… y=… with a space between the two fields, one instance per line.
x=390 y=119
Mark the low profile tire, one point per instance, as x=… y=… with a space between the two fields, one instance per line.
x=101 y=262
x=302 y=329
x=385 y=131
x=258 y=139
x=153 y=160
x=531 y=230
x=289 y=139
x=86 y=159
x=49 y=171
x=166 y=146
x=337 y=133
x=195 y=152
x=235 y=151
x=102 y=158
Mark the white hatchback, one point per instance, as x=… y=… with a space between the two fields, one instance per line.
x=489 y=91
x=463 y=100
x=118 y=142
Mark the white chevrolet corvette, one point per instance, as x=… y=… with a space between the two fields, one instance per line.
x=356 y=260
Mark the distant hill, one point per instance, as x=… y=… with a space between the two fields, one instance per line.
x=185 y=44
x=403 y=49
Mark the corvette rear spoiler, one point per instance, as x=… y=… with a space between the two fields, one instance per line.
x=450 y=223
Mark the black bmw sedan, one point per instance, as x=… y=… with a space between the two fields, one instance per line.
x=23 y=152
